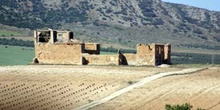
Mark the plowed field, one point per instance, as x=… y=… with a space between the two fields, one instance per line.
x=55 y=87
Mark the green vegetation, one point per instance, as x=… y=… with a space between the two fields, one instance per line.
x=211 y=47
x=195 y=58
x=5 y=33
x=14 y=55
x=114 y=50
x=106 y=53
x=185 y=106
x=177 y=58
x=37 y=17
x=15 y=42
x=64 y=14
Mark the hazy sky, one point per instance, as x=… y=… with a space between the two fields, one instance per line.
x=208 y=4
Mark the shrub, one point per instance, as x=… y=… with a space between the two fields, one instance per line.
x=130 y=82
x=197 y=31
x=185 y=106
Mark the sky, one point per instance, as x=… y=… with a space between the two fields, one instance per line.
x=213 y=5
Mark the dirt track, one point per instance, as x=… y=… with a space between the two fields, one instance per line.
x=67 y=87
x=202 y=90
x=142 y=82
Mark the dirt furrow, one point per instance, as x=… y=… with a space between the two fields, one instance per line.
x=136 y=85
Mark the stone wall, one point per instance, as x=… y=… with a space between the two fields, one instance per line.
x=167 y=54
x=146 y=54
x=57 y=47
x=101 y=59
x=58 y=54
x=129 y=59
x=47 y=53
x=91 y=48
x=154 y=54
x=63 y=36
x=88 y=54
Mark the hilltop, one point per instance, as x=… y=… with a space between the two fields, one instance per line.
x=121 y=22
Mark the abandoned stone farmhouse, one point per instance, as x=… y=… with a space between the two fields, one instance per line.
x=60 y=47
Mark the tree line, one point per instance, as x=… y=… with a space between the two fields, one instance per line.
x=114 y=50
x=195 y=58
x=212 y=47
x=16 y=42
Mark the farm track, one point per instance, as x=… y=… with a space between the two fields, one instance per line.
x=200 y=90
x=142 y=82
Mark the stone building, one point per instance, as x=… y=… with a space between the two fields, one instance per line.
x=60 y=47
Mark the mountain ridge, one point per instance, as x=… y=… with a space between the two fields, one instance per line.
x=117 y=21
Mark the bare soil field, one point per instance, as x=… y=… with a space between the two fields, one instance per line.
x=66 y=87
x=201 y=89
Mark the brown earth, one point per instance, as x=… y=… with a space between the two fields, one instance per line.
x=201 y=89
x=56 y=87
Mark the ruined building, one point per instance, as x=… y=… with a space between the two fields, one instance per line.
x=60 y=47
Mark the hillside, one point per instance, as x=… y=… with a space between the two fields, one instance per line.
x=121 y=22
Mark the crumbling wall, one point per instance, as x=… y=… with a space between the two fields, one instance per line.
x=143 y=49
x=59 y=47
x=101 y=59
x=88 y=54
x=58 y=54
x=167 y=54
x=45 y=36
x=145 y=54
x=154 y=54
x=91 y=48
x=63 y=36
x=129 y=59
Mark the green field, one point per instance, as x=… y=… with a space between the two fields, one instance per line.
x=14 y=55
x=17 y=55
x=5 y=33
